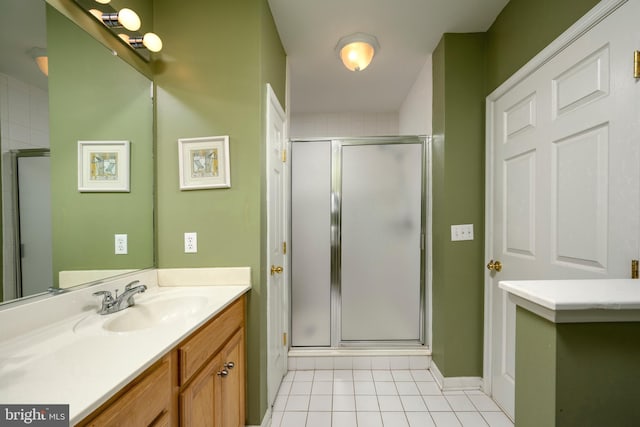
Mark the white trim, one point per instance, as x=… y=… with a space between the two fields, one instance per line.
x=338 y=352
x=454 y=383
x=584 y=24
x=266 y=420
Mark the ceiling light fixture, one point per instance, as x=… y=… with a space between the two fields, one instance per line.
x=39 y=55
x=150 y=40
x=357 y=50
x=126 y=18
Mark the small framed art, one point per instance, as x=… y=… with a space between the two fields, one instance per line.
x=204 y=162
x=103 y=166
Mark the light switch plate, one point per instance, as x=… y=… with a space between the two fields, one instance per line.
x=461 y=232
x=190 y=243
x=121 y=244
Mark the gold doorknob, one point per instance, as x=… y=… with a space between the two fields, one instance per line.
x=494 y=266
x=275 y=269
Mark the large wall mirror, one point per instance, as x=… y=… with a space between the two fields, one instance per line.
x=55 y=236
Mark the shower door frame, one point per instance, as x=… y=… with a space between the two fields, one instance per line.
x=336 y=239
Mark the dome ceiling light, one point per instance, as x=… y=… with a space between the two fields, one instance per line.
x=357 y=50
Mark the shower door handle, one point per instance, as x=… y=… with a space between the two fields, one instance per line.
x=275 y=269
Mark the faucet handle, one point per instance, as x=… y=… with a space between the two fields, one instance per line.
x=130 y=285
x=107 y=295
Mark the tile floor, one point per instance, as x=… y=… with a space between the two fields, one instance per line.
x=377 y=398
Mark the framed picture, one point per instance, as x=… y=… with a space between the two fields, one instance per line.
x=103 y=166
x=204 y=162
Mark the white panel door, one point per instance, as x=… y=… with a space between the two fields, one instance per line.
x=565 y=172
x=276 y=290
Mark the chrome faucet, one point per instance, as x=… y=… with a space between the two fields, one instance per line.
x=111 y=304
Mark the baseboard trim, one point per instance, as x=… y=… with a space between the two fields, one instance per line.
x=266 y=420
x=454 y=383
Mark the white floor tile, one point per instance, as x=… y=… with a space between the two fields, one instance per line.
x=436 y=403
x=369 y=419
x=289 y=376
x=420 y=419
x=285 y=388
x=445 y=419
x=399 y=362
x=364 y=388
x=343 y=363
x=344 y=419
x=320 y=403
x=305 y=363
x=402 y=376
x=276 y=418
x=413 y=404
x=483 y=402
x=304 y=376
x=394 y=419
x=323 y=375
x=324 y=362
x=382 y=375
x=293 y=419
x=300 y=387
x=322 y=387
x=471 y=419
x=428 y=388
x=407 y=389
x=422 y=375
x=343 y=387
x=460 y=403
x=280 y=403
x=362 y=363
x=390 y=404
x=345 y=375
x=344 y=403
x=362 y=375
x=297 y=403
x=367 y=403
x=318 y=419
x=418 y=362
x=380 y=362
x=497 y=419
x=386 y=388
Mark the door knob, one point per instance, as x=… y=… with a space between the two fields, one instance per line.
x=275 y=269
x=494 y=266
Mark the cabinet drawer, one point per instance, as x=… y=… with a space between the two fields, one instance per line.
x=193 y=353
x=145 y=403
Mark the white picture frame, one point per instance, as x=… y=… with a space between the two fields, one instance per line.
x=103 y=166
x=204 y=162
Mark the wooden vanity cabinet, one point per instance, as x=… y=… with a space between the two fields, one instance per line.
x=200 y=383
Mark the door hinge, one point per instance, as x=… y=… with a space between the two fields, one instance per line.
x=284 y=248
x=284 y=156
x=636 y=64
x=284 y=339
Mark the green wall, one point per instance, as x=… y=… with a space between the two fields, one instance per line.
x=466 y=68
x=216 y=59
x=524 y=28
x=458 y=198
x=93 y=95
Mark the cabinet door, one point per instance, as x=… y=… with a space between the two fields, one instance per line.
x=232 y=384
x=200 y=400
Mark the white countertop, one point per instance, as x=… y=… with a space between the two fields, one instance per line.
x=603 y=300
x=75 y=361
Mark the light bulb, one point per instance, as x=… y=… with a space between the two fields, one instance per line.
x=152 y=42
x=97 y=13
x=124 y=37
x=103 y=1
x=357 y=56
x=129 y=19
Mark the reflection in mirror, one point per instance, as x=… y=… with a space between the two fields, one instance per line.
x=89 y=95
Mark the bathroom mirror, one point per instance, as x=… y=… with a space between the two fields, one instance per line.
x=90 y=94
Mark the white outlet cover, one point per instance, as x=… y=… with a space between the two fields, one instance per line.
x=190 y=243
x=121 y=244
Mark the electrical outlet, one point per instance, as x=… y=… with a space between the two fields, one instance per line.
x=190 y=243
x=121 y=244
x=461 y=232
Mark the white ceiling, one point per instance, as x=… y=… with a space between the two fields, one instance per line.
x=407 y=30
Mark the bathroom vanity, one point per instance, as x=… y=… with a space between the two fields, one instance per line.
x=577 y=352
x=177 y=357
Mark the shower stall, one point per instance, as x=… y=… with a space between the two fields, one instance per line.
x=358 y=241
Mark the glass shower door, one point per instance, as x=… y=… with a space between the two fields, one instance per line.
x=381 y=233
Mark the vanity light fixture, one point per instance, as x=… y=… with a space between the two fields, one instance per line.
x=39 y=55
x=150 y=40
x=357 y=50
x=126 y=18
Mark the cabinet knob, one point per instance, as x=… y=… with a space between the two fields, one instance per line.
x=229 y=365
x=223 y=373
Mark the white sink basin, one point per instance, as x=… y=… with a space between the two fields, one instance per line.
x=145 y=314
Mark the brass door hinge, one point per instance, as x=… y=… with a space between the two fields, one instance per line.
x=284 y=339
x=284 y=156
x=636 y=64
x=634 y=269
x=284 y=248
